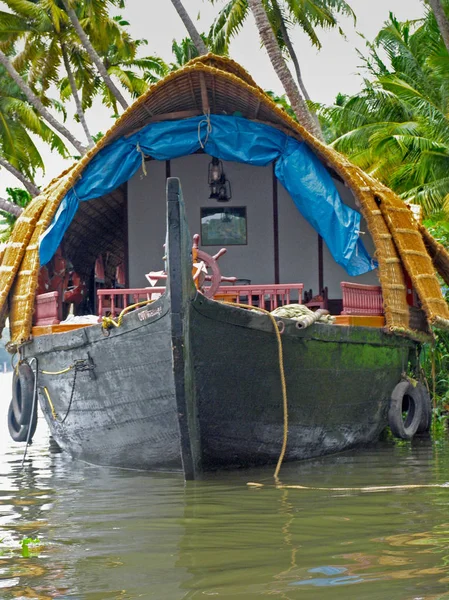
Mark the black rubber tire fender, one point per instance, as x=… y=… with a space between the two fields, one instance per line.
x=18 y=432
x=426 y=414
x=23 y=393
x=405 y=398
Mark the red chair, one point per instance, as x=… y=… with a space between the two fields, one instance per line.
x=361 y=299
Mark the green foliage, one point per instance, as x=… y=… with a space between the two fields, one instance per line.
x=17 y=196
x=308 y=16
x=283 y=103
x=397 y=127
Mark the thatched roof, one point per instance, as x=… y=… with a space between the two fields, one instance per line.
x=219 y=86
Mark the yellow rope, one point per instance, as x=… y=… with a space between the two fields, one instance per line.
x=110 y=322
x=53 y=412
x=374 y=488
x=58 y=372
x=283 y=384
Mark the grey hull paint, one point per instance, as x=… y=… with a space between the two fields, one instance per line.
x=188 y=384
x=124 y=413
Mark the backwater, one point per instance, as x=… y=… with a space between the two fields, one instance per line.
x=109 y=534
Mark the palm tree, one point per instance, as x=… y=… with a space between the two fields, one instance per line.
x=191 y=29
x=438 y=8
x=121 y=61
x=47 y=43
x=397 y=127
x=184 y=51
x=282 y=14
x=37 y=103
x=95 y=58
x=18 y=123
x=277 y=60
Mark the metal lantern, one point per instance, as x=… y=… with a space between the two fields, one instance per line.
x=220 y=188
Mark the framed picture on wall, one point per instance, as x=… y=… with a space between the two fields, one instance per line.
x=223 y=226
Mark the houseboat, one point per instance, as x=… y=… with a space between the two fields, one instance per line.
x=212 y=287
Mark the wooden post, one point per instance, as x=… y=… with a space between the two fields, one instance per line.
x=320 y=265
x=275 y=224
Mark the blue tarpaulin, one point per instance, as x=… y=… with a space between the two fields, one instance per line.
x=228 y=138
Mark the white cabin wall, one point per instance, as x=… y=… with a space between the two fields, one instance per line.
x=298 y=244
x=251 y=187
x=146 y=223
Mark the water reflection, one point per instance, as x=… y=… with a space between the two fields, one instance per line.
x=106 y=534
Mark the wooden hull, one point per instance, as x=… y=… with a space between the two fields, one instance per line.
x=339 y=381
x=189 y=384
x=124 y=412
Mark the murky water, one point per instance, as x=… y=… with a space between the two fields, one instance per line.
x=109 y=534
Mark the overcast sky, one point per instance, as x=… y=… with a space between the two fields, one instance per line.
x=334 y=69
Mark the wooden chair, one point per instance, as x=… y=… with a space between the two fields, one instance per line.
x=47 y=309
x=318 y=301
x=361 y=299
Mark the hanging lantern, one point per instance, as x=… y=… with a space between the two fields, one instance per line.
x=220 y=188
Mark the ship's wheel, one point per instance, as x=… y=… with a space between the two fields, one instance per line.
x=205 y=271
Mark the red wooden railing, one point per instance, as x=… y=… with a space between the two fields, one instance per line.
x=357 y=299
x=266 y=296
x=115 y=300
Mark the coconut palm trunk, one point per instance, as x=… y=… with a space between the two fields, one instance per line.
x=295 y=61
x=277 y=60
x=34 y=101
x=95 y=58
x=79 y=108
x=441 y=19
x=29 y=185
x=191 y=29
x=10 y=207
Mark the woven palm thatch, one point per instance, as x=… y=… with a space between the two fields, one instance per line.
x=216 y=85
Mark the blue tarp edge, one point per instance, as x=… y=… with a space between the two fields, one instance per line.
x=229 y=138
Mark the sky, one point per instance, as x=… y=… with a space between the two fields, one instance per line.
x=336 y=68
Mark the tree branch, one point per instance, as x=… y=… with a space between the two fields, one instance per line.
x=79 y=108
x=10 y=207
x=29 y=185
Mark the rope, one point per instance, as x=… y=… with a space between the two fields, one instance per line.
x=108 y=322
x=58 y=372
x=139 y=149
x=282 y=374
x=208 y=129
x=373 y=488
x=80 y=364
x=52 y=408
